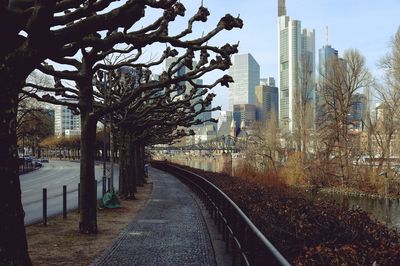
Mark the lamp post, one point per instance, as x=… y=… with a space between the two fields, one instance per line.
x=104 y=135
x=223 y=143
x=23 y=151
x=102 y=75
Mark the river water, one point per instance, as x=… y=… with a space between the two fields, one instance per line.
x=387 y=212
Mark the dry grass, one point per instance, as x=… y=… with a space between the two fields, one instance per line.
x=59 y=243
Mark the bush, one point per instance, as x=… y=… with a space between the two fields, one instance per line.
x=294 y=172
x=310 y=232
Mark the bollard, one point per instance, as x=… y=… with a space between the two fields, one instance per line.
x=95 y=188
x=79 y=197
x=45 y=207
x=104 y=185
x=65 y=202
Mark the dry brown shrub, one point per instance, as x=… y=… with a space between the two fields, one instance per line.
x=294 y=172
x=246 y=171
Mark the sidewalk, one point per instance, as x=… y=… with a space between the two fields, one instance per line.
x=170 y=230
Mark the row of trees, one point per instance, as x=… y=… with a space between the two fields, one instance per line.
x=329 y=152
x=33 y=125
x=94 y=51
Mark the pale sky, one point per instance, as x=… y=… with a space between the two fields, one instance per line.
x=366 y=25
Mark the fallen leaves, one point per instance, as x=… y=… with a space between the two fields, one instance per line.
x=311 y=232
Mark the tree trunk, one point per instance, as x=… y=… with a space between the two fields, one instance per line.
x=141 y=161
x=88 y=219
x=137 y=163
x=143 y=158
x=13 y=244
x=132 y=173
x=123 y=186
x=33 y=147
x=88 y=208
x=127 y=171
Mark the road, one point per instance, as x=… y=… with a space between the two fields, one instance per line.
x=53 y=176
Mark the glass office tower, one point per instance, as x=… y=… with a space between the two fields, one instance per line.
x=294 y=44
x=245 y=72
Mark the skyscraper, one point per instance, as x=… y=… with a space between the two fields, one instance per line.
x=246 y=75
x=270 y=81
x=358 y=111
x=266 y=103
x=296 y=49
x=244 y=115
x=327 y=54
x=186 y=87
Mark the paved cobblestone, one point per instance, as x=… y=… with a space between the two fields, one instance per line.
x=170 y=230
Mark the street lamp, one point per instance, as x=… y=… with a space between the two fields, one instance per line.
x=223 y=143
x=102 y=75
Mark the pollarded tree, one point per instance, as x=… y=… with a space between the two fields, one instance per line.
x=161 y=112
x=75 y=28
x=88 y=100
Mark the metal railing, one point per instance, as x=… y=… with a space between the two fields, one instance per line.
x=245 y=242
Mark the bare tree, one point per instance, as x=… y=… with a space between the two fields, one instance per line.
x=388 y=113
x=303 y=103
x=263 y=150
x=344 y=78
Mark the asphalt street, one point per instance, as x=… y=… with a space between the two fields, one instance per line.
x=53 y=176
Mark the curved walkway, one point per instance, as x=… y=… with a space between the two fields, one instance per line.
x=170 y=230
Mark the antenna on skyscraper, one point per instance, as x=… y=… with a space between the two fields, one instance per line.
x=326 y=36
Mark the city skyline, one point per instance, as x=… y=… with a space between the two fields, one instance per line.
x=352 y=24
x=355 y=26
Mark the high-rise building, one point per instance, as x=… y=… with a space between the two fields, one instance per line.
x=224 y=123
x=186 y=87
x=245 y=72
x=65 y=121
x=266 y=103
x=244 y=114
x=327 y=55
x=358 y=111
x=296 y=49
x=270 y=81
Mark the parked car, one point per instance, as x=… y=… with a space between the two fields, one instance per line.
x=37 y=163
x=44 y=160
x=28 y=159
